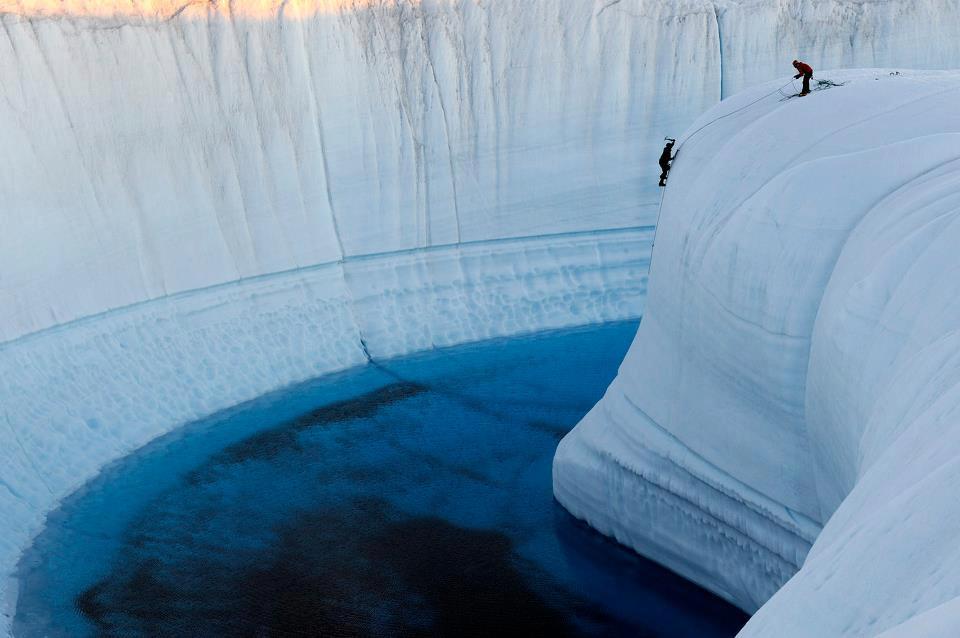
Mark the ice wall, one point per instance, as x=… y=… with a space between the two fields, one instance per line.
x=161 y=148
x=793 y=382
x=154 y=148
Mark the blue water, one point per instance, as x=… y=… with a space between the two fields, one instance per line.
x=409 y=498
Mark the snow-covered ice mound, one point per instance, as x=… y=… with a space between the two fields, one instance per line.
x=791 y=399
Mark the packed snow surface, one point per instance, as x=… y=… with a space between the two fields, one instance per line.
x=789 y=408
x=204 y=201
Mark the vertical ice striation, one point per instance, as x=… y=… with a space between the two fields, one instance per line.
x=160 y=148
x=154 y=148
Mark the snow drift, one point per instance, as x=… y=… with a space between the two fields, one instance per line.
x=793 y=385
x=204 y=201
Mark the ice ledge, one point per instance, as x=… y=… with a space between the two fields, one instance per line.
x=674 y=506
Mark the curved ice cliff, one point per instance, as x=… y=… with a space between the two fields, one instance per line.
x=204 y=201
x=789 y=408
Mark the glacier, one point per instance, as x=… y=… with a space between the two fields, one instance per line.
x=783 y=429
x=205 y=201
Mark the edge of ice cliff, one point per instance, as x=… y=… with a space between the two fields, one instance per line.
x=784 y=428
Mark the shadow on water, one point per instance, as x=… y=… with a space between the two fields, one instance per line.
x=407 y=500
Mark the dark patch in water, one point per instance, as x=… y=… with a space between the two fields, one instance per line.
x=360 y=407
x=268 y=444
x=556 y=431
x=263 y=446
x=87 y=603
x=361 y=570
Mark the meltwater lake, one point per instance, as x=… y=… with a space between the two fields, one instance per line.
x=407 y=498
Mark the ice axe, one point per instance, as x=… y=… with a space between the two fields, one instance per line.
x=674 y=141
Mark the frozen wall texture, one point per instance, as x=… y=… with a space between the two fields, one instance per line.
x=203 y=201
x=794 y=380
x=154 y=148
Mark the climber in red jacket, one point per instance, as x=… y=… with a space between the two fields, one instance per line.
x=805 y=71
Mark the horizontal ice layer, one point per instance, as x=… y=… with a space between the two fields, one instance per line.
x=75 y=397
x=797 y=365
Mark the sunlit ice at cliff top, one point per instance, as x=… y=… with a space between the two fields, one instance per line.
x=167 y=9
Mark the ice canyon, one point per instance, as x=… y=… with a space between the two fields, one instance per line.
x=201 y=202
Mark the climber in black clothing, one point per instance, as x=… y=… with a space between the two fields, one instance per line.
x=665 y=159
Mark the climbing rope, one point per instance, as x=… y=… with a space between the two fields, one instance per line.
x=663 y=193
x=793 y=84
x=688 y=137
x=821 y=85
x=742 y=108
